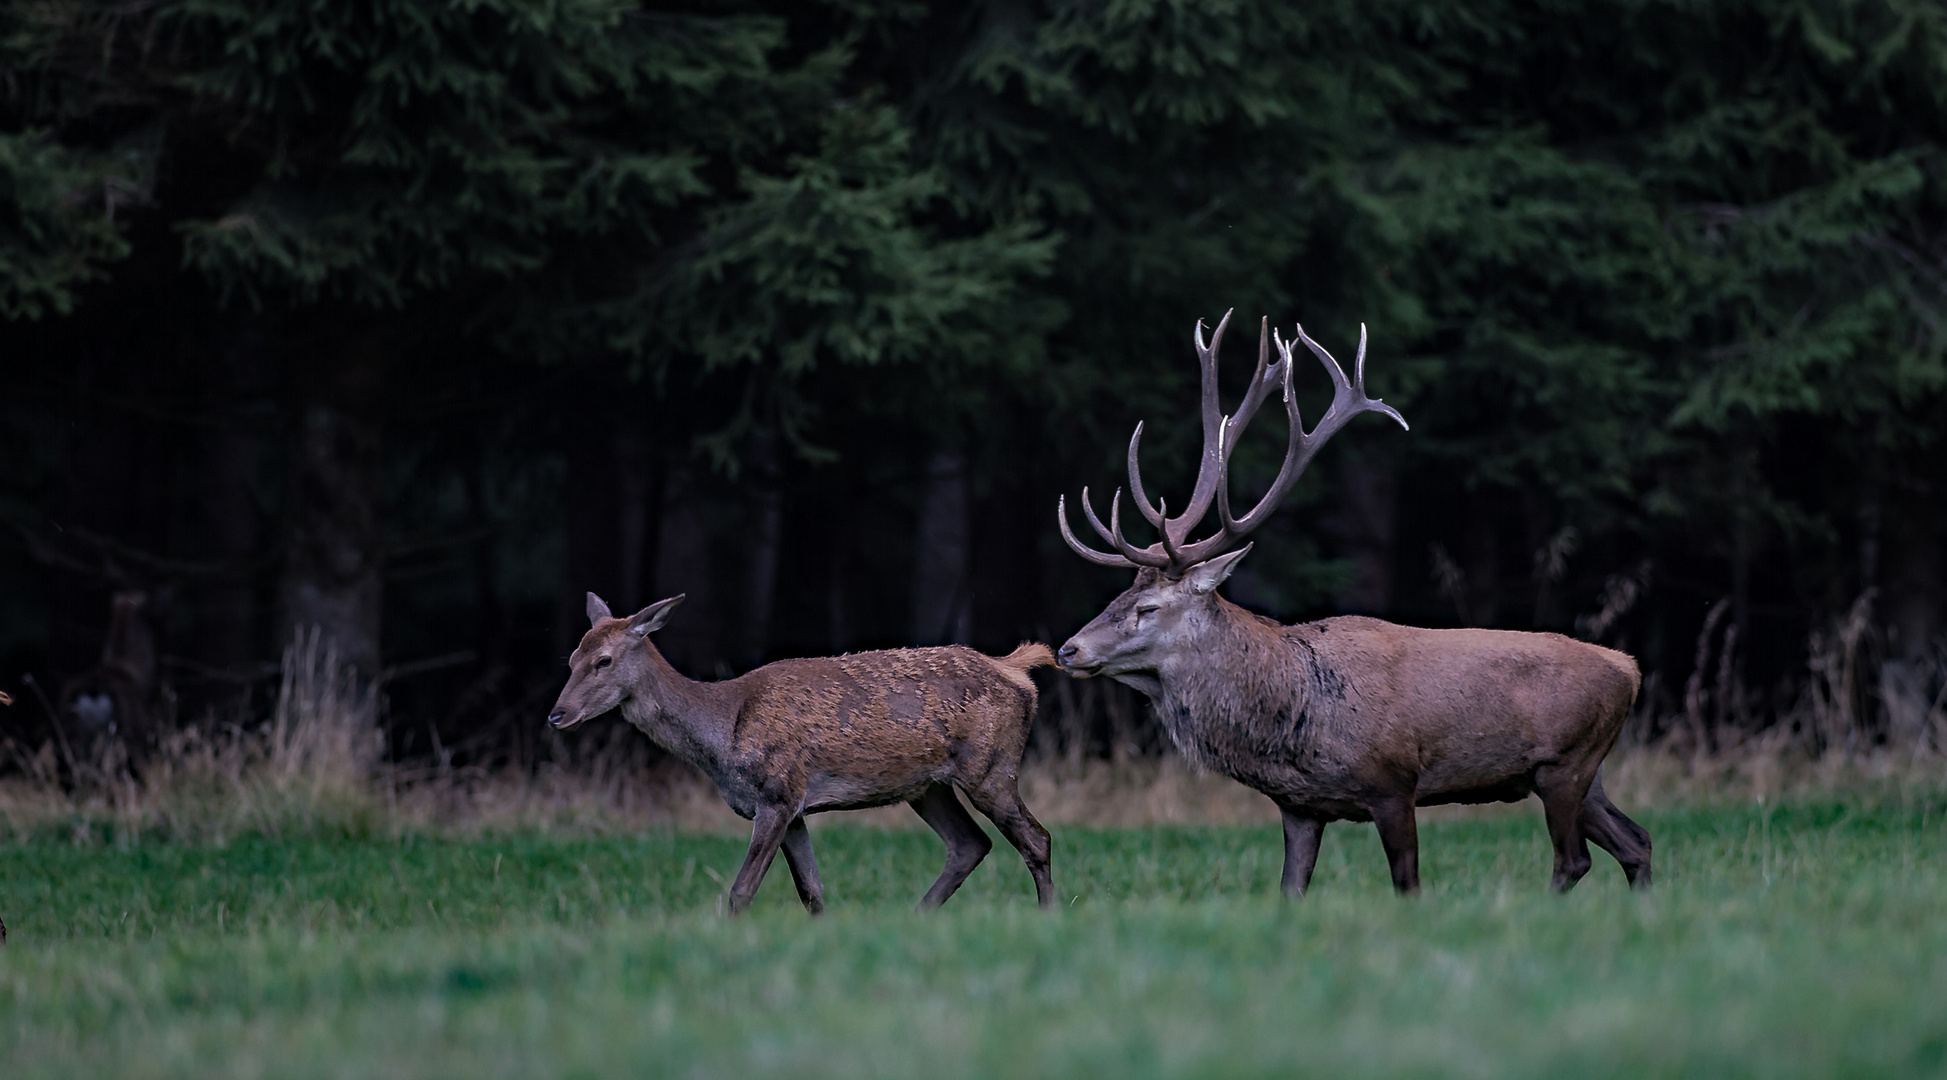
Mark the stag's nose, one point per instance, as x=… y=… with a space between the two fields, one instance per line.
x=1067 y=654
x=556 y=717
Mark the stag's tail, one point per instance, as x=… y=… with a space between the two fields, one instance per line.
x=1031 y=655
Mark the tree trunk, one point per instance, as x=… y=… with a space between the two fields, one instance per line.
x=1911 y=682
x=839 y=630
x=942 y=607
x=1910 y=574
x=490 y=612
x=1004 y=597
x=638 y=499
x=1483 y=580
x=590 y=521
x=230 y=633
x=766 y=539
x=333 y=548
x=684 y=565
x=1364 y=527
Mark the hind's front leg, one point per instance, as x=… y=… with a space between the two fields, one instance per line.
x=767 y=832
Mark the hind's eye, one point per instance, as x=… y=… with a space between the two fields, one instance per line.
x=603 y=662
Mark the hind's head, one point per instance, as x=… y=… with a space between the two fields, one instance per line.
x=609 y=663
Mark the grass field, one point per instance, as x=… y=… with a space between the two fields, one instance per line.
x=1804 y=940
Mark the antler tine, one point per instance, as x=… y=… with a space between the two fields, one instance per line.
x=1359 y=385
x=1348 y=398
x=1112 y=532
x=1088 y=511
x=1266 y=376
x=1139 y=556
x=1207 y=468
x=1173 y=555
x=1153 y=514
x=1359 y=364
x=1099 y=558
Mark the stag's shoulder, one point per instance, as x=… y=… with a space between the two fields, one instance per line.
x=1347 y=624
x=1346 y=628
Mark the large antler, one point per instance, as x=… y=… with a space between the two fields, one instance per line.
x=1174 y=553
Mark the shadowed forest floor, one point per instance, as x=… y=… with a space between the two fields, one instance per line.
x=1796 y=940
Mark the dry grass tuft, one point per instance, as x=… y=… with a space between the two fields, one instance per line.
x=316 y=765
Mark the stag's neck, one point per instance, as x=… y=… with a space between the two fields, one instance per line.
x=693 y=720
x=1242 y=687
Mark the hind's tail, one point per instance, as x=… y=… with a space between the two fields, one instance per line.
x=1031 y=655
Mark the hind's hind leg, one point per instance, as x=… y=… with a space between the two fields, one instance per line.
x=804 y=865
x=966 y=845
x=1002 y=802
x=1613 y=832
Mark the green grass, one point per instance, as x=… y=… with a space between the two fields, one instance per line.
x=1809 y=940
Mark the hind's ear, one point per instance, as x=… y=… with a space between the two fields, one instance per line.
x=650 y=619
x=597 y=610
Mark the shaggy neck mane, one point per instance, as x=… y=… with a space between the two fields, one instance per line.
x=1239 y=678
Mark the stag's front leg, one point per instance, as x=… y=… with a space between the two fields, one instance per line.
x=1301 y=834
x=766 y=833
x=1399 y=834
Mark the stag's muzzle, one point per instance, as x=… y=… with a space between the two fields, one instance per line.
x=1070 y=658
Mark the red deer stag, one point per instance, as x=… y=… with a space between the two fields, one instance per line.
x=831 y=733
x=1348 y=718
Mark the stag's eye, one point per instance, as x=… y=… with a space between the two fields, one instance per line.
x=603 y=662
x=1147 y=609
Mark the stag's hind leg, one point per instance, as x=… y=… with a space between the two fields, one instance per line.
x=1002 y=802
x=966 y=844
x=1614 y=833
x=1562 y=791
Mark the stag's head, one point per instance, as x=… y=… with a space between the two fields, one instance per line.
x=607 y=666
x=1176 y=582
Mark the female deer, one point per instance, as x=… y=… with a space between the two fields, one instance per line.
x=798 y=737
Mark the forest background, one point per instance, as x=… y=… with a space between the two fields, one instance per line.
x=412 y=320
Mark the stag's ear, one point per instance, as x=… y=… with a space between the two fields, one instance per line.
x=1210 y=573
x=651 y=619
x=597 y=610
